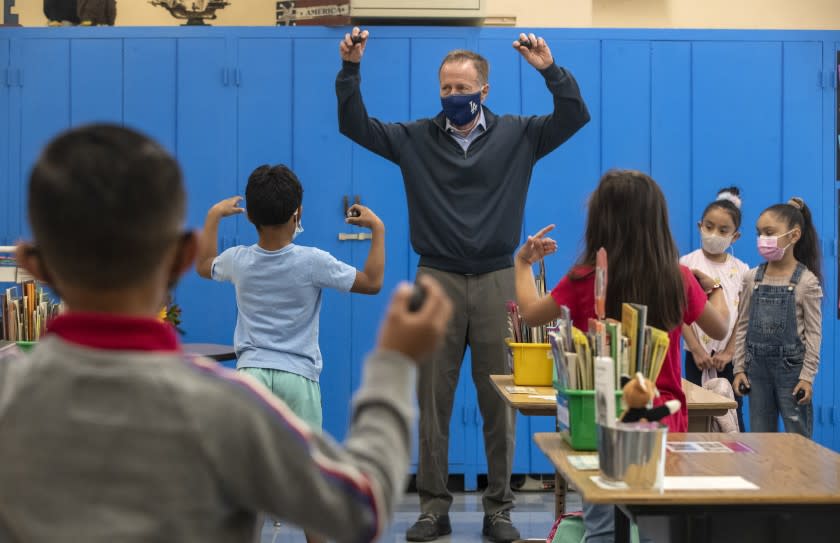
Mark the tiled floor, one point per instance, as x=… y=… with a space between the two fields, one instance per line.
x=534 y=516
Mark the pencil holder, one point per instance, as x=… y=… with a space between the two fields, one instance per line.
x=633 y=453
x=532 y=363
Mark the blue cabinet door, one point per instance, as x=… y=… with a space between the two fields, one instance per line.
x=43 y=77
x=96 y=81
x=670 y=140
x=378 y=184
x=205 y=143
x=563 y=179
x=736 y=128
x=263 y=79
x=802 y=175
x=150 y=99
x=625 y=87
x=6 y=230
x=322 y=160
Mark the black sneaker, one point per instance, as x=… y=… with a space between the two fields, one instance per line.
x=429 y=527
x=498 y=528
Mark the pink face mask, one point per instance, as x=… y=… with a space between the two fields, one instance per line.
x=768 y=247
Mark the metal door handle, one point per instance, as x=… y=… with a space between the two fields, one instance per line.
x=361 y=236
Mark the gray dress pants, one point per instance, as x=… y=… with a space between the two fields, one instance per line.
x=480 y=321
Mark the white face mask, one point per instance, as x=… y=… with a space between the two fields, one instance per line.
x=298 y=227
x=714 y=244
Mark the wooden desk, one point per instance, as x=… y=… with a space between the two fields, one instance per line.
x=702 y=405
x=215 y=351
x=798 y=497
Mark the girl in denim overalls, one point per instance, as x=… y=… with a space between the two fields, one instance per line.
x=779 y=326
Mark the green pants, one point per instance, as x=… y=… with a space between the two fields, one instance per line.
x=302 y=395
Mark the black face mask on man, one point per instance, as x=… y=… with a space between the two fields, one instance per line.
x=461 y=109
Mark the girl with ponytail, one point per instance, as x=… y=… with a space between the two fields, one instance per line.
x=779 y=330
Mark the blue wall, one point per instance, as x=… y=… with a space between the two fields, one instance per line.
x=697 y=109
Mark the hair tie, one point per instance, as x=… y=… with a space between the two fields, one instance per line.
x=797 y=202
x=731 y=197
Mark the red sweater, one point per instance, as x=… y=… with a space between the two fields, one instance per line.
x=578 y=294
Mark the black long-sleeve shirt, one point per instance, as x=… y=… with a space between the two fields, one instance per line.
x=465 y=208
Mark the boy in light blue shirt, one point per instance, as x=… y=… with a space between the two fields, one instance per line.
x=279 y=285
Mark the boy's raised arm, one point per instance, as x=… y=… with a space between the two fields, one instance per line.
x=369 y=279
x=208 y=244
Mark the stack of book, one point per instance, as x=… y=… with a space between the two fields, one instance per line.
x=630 y=344
x=25 y=314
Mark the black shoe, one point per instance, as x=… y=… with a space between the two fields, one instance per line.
x=499 y=529
x=429 y=527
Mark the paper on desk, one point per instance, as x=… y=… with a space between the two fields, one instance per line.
x=584 y=462
x=686 y=483
x=608 y=485
x=513 y=389
x=734 y=482
x=546 y=397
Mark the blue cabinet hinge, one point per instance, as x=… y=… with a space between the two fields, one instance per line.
x=14 y=77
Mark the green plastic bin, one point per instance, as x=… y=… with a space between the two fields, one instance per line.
x=26 y=346
x=576 y=417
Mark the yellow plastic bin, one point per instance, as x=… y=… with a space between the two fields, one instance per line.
x=533 y=364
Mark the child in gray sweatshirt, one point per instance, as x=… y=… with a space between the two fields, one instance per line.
x=109 y=432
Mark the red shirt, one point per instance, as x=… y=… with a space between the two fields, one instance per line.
x=578 y=294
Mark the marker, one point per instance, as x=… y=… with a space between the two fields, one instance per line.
x=418 y=296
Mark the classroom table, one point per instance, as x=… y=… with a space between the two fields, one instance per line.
x=216 y=351
x=702 y=405
x=797 y=499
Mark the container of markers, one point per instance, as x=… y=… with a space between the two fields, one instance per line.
x=533 y=364
x=25 y=346
x=576 y=417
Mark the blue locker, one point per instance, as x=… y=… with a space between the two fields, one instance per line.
x=96 y=81
x=801 y=176
x=149 y=100
x=43 y=73
x=736 y=129
x=322 y=160
x=6 y=237
x=670 y=141
x=263 y=78
x=563 y=180
x=205 y=145
x=379 y=185
x=625 y=140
